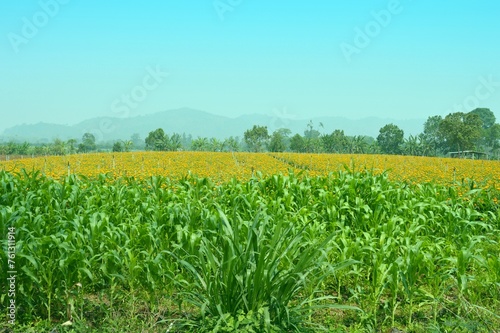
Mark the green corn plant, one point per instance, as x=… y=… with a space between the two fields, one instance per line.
x=411 y=268
x=252 y=265
x=419 y=246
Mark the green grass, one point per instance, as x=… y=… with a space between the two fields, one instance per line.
x=349 y=252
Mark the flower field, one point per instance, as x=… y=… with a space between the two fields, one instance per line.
x=224 y=166
x=221 y=242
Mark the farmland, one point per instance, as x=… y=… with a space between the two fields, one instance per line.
x=222 y=167
x=201 y=242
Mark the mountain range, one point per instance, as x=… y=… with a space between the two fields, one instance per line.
x=200 y=124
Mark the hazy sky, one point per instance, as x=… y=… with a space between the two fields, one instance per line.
x=64 y=61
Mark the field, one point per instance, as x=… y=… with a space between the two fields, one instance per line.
x=222 y=167
x=223 y=242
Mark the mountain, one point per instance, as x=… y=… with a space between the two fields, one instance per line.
x=199 y=123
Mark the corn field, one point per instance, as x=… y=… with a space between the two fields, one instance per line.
x=305 y=246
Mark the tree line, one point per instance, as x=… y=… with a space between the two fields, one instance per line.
x=457 y=132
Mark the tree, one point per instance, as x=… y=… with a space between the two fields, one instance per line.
x=127 y=145
x=200 y=144
x=374 y=148
x=71 y=144
x=256 y=138
x=22 y=149
x=278 y=142
x=59 y=147
x=493 y=138
x=487 y=117
x=117 y=146
x=310 y=132
x=174 y=144
x=312 y=140
x=336 y=142
x=297 y=143
x=136 y=141
x=390 y=139
x=88 y=143
x=488 y=121
x=11 y=148
x=413 y=146
x=461 y=131
x=155 y=140
x=216 y=144
x=232 y=144
x=432 y=135
x=358 y=144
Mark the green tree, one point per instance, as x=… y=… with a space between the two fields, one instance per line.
x=432 y=136
x=279 y=140
x=297 y=143
x=390 y=139
x=59 y=147
x=256 y=138
x=312 y=140
x=487 y=117
x=200 y=144
x=71 y=144
x=155 y=140
x=413 y=146
x=461 y=131
x=493 y=138
x=127 y=145
x=23 y=148
x=117 y=146
x=88 y=143
x=488 y=121
x=357 y=144
x=232 y=144
x=174 y=143
x=136 y=141
x=216 y=144
x=336 y=142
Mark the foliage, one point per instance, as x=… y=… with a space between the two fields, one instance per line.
x=461 y=131
x=422 y=255
x=297 y=143
x=432 y=136
x=243 y=267
x=88 y=143
x=158 y=140
x=256 y=138
x=117 y=146
x=390 y=139
x=439 y=137
x=279 y=140
x=486 y=115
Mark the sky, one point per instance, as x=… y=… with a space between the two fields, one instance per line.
x=64 y=61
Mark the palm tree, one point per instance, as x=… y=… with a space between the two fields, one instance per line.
x=127 y=145
x=216 y=145
x=175 y=142
x=231 y=144
x=359 y=144
x=412 y=146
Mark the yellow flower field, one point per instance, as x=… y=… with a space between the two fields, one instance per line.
x=415 y=169
x=224 y=166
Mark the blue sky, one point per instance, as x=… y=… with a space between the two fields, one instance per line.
x=64 y=61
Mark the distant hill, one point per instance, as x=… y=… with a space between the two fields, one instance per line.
x=198 y=123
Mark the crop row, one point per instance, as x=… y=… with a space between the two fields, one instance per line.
x=402 y=252
x=224 y=166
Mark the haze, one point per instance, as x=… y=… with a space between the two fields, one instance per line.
x=66 y=61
